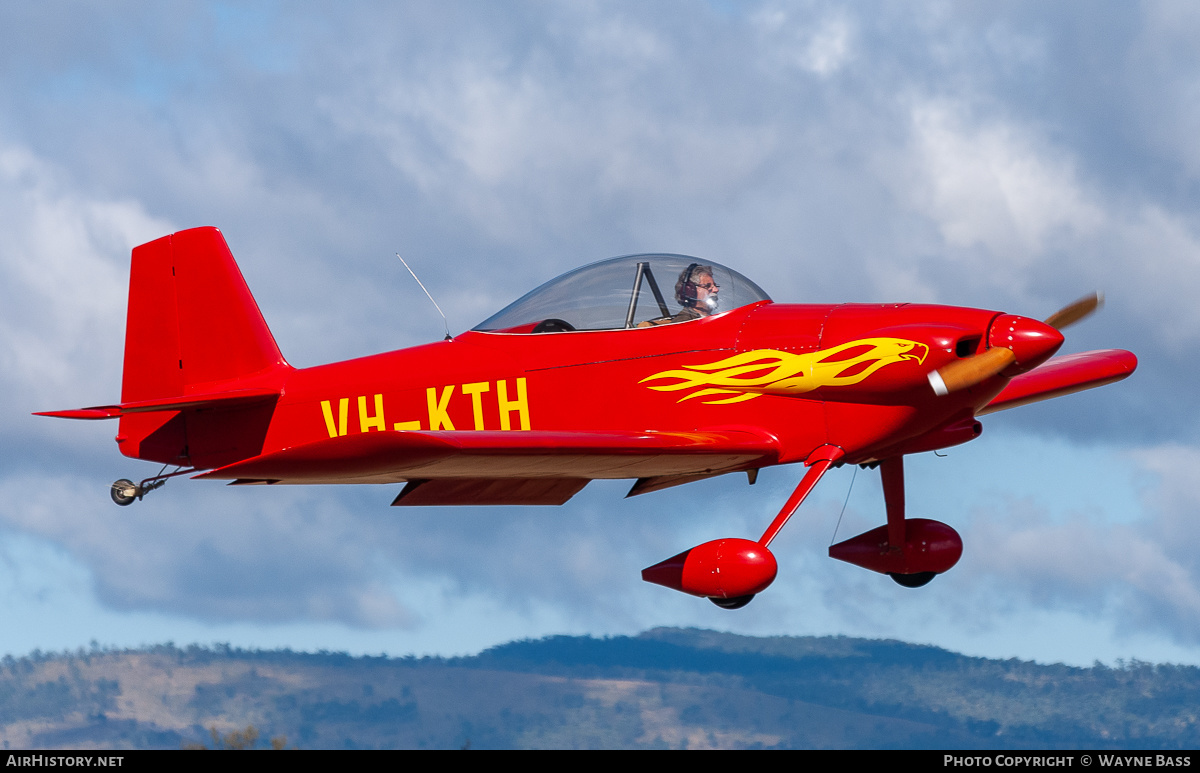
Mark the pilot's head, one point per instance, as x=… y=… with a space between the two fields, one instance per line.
x=696 y=289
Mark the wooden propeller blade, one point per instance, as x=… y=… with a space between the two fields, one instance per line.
x=1072 y=313
x=968 y=372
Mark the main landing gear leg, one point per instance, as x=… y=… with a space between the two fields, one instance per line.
x=910 y=551
x=892 y=472
x=730 y=572
x=819 y=462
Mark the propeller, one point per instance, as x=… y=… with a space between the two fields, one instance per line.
x=1012 y=340
x=1071 y=313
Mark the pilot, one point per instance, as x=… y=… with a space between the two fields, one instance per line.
x=696 y=292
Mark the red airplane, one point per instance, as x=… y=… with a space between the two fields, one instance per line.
x=664 y=369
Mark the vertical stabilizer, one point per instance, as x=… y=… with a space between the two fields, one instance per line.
x=191 y=319
x=193 y=327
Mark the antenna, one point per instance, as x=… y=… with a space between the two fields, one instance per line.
x=427 y=295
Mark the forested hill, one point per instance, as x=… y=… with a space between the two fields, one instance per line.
x=664 y=688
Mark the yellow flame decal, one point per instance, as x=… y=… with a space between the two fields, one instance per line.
x=769 y=371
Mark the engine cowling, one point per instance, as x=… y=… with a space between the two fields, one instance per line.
x=929 y=546
x=723 y=568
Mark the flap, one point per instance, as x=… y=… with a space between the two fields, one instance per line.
x=489 y=491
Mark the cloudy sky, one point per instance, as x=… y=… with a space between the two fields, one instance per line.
x=1005 y=155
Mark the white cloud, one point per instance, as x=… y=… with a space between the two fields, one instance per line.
x=520 y=149
x=995 y=186
x=820 y=46
x=292 y=555
x=64 y=264
x=1014 y=215
x=1143 y=572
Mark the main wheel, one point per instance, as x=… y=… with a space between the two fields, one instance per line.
x=915 y=580
x=124 y=492
x=737 y=602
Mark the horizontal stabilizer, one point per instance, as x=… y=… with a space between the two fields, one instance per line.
x=388 y=457
x=1064 y=375
x=184 y=402
x=91 y=414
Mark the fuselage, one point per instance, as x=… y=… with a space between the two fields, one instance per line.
x=866 y=390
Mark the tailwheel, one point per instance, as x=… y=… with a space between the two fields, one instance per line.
x=915 y=580
x=737 y=602
x=124 y=492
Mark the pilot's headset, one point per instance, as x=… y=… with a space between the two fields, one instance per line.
x=685 y=290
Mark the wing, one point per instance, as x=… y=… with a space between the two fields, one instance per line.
x=1062 y=376
x=521 y=467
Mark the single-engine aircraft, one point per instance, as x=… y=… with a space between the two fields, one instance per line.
x=663 y=369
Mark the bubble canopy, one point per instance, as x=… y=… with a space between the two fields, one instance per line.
x=626 y=292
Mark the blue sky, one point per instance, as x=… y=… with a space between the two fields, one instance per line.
x=1010 y=156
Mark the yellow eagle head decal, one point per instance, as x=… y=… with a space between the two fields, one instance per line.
x=769 y=371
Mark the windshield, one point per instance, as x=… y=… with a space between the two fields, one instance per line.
x=626 y=292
